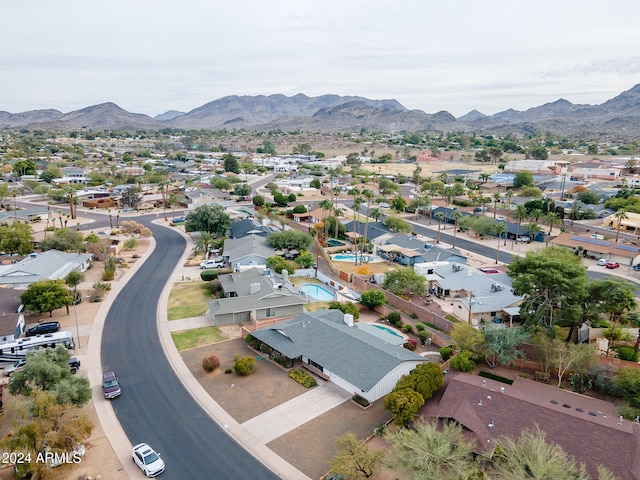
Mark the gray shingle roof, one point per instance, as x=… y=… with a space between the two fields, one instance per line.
x=51 y=265
x=237 y=248
x=352 y=354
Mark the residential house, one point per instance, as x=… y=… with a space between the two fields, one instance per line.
x=598 y=247
x=409 y=250
x=630 y=224
x=327 y=343
x=587 y=429
x=49 y=265
x=249 y=251
x=251 y=296
x=475 y=295
x=248 y=226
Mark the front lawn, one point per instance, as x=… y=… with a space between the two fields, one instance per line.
x=188 y=299
x=197 y=337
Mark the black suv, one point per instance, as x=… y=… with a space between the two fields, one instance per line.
x=42 y=328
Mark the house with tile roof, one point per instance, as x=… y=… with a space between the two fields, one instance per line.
x=586 y=428
x=624 y=254
x=327 y=342
x=48 y=265
x=251 y=296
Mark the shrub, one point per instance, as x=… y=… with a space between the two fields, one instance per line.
x=228 y=370
x=102 y=286
x=372 y=298
x=423 y=335
x=580 y=382
x=420 y=327
x=213 y=287
x=360 y=400
x=463 y=362
x=108 y=275
x=130 y=243
x=626 y=352
x=445 y=353
x=346 y=307
x=410 y=345
x=394 y=318
x=245 y=366
x=495 y=377
x=209 y=364
x=208 y=275
x=414 y=316
x=303 y=378
x=406 y=328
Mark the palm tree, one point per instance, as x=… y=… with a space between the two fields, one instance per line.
x=575 y=210
x=375 y=213
x=535 y=214
x=534 y=229
x=326 y=205
x=553 y=218
x=519 y=216
x=357 y=202
x=163 y=186
x=203 y=243
x=110 y=218
x=509 y=196
x=455 y=215
x=440 y=216
x=620 y=215
x=496 y=199
x=368 y=194
x=484 y=177
x=501 y=229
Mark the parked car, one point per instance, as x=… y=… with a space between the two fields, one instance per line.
x=74 y=365
x=178 y=219
x=523 y=239
x=16 y=366
x=636 y=267
x=42 y=328
x=148 y=460
x=612 y=265
x=110 y=385
x=211 y=264
x=602 y=262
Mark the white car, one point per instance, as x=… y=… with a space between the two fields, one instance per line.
x=602 y=262
x=16 y=366
x=211 y=264
x=148 y=460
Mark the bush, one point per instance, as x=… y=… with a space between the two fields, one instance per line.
x=208 y=275
x=406 y=328
x=463 y=362
x=410 y=345
x=445 y=353
x=394 y=318
x=420 y=327
x=373 y=298
x=626 y=353
x=209 y=364
x=346 y=307
x=245 y=366
x=495 y=377
x=227 y=370
x=360 y=400
x=423 y=335
x=303 y=378
x=108 y=275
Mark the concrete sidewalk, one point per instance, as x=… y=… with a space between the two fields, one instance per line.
x=299 y=410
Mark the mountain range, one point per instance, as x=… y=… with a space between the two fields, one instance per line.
x=617 y=118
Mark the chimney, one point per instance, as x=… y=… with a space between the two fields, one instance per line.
x=348 y=319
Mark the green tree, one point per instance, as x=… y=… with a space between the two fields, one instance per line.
x=433 y=450
x=290 y=239
x=279 y=264
x=16 y=238
x=45 y=421
x=230 y=163
x=403 y=405
x=46 y=296
x=345 y=307
x=523 y=179
x=354 y=459
x=620 y=215
x=65 y=240
x=560 y=356
x=532 y=456
x=553 y=282
x=24 y=167
x=203 y=243
x=242 y=190
x=208 y=218
x=465 y=337
x=501 y=230
x=463 y=361
x=398 y=203
x=553 y=218
x=387 y=186
x=503 y=345
x=131 y=198
x=405 y=281
x=398 y=225
x=588 y=197
x=425 y=378
x=626 y=383
x=441 y=217
x=538 y=152
x=305 y=259
x=48 y=369
x=373 y=298
x=258 y=201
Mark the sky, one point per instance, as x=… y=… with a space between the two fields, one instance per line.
x=151 y=56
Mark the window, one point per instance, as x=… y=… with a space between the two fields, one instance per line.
x=271 y=312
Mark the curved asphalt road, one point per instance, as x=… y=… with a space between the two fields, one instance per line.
x=155 y=407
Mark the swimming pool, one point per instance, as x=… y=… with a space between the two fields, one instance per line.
x=388 y=330
x=336 y=243
x=317 y=292
x=350 y=257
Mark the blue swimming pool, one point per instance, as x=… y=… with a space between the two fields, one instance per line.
x=388 y=330
x=317 y=292
x=350 y=257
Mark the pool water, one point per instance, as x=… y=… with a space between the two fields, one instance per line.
x=350 y=257
x=388 y=330
x=335 y=243
x=317 y=292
